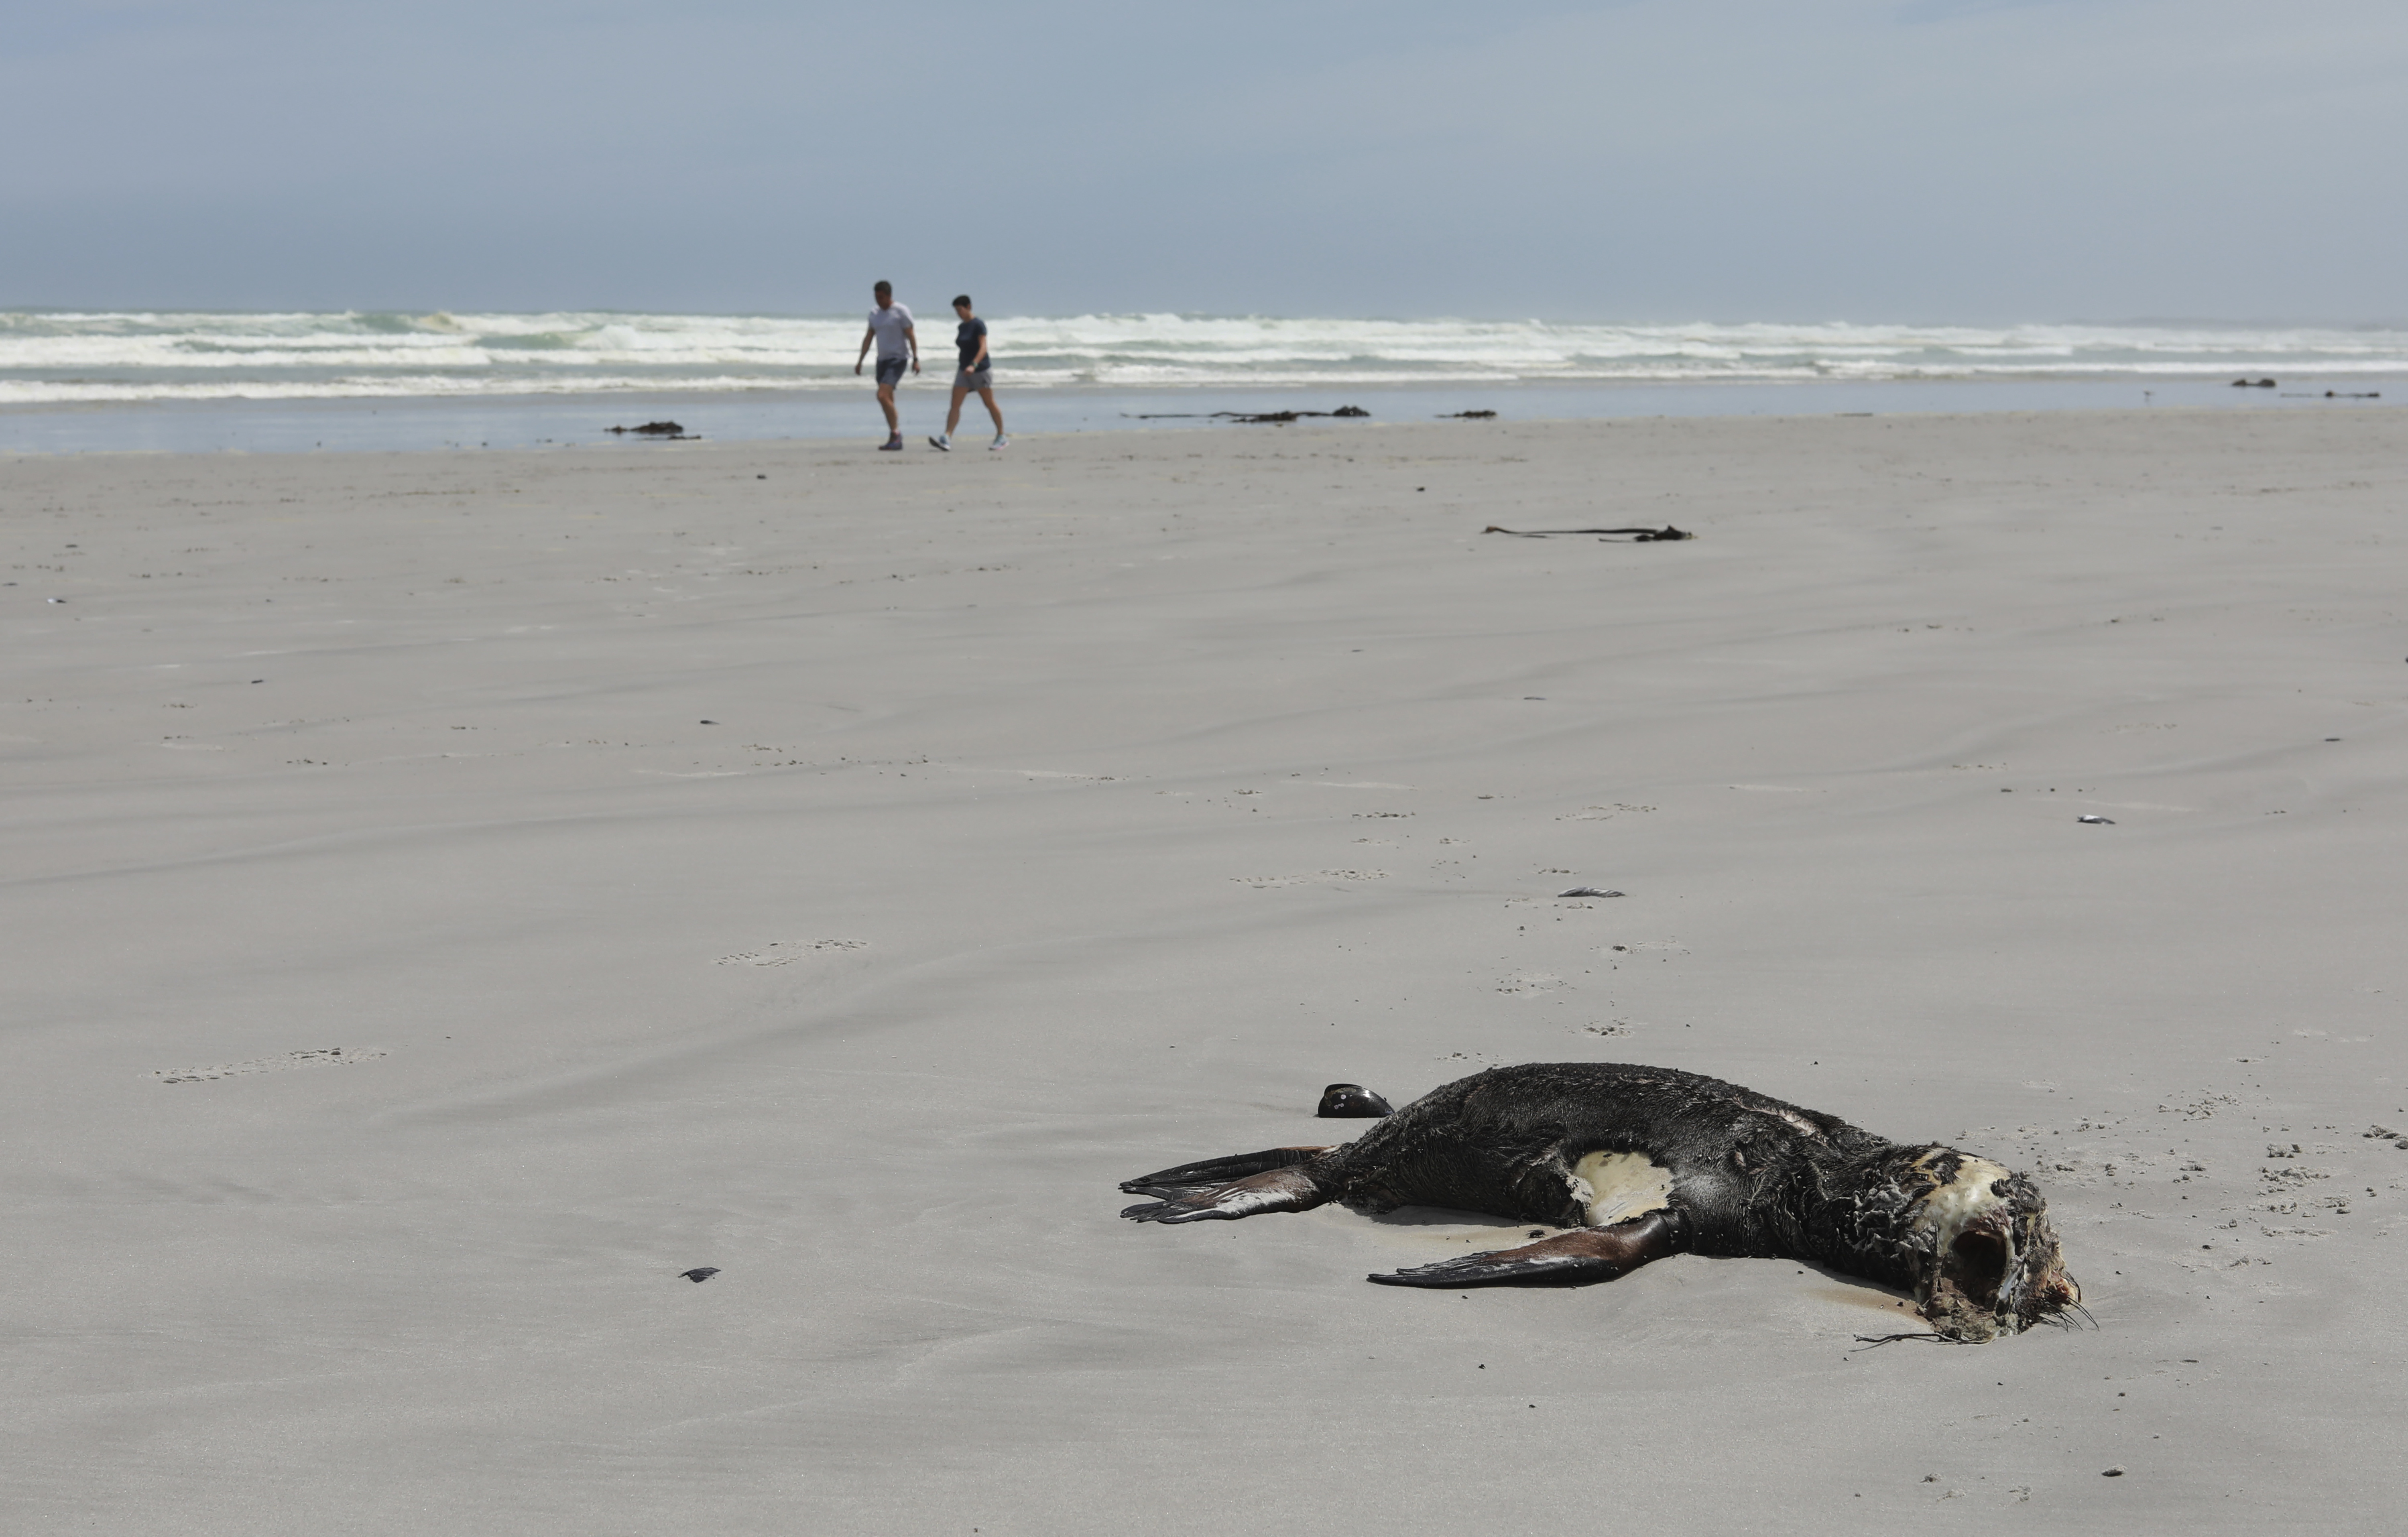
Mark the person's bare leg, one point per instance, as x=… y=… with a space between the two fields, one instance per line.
x=992 y=409
x=886 y=404
x=954 y=417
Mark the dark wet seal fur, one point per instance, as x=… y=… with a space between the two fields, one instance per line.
x=1735 y=1172
x=1344 y=1100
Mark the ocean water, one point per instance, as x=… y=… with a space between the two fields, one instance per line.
x=296 y=381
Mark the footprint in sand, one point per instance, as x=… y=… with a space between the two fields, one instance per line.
x=331 y=1056
x=1533 y=982
x=787 y=952
x=1261 y=882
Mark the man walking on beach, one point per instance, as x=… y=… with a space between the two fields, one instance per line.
x=975 y=373
x=890 y=327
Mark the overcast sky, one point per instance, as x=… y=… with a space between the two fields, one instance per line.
x=1908 y=160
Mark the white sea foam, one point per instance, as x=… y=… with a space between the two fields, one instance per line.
x=59 y=357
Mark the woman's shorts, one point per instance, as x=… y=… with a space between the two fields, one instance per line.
x=981 y=379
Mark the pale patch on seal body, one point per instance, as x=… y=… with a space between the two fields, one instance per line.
x=1623 y=1186
x=1640 y=1162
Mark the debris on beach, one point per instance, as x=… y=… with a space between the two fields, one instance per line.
x=1469 y=416
x=1588 y=891
x=2095 y=819
x=699 y=1273
x=656 y=429
x=1634 y=535
x=2253 y=383
x=1277 y=419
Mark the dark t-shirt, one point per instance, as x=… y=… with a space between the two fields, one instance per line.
x=966 y=338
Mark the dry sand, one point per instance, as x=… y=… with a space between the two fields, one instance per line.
x=841 y=869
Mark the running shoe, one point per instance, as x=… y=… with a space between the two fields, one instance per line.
x=942 y=445
x=892 y=445
x=1000 y=441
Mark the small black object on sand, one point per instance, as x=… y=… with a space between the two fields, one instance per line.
x=699 y=1273
x=1634 y=535
x=2095 y=821
x=657 y=429
x=1469 y=416
x=1352 y=1101
x=2115 y=1472
x=2253 y=383
x=1588 y=891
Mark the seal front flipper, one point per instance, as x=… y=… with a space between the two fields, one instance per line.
x=1567 y=1259
x=1203 y=1176
x=1294 y=1189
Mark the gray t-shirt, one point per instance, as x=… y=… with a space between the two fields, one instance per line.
x=889 y=324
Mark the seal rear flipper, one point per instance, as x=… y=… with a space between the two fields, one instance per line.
x=1204 y=1175
x=1567 y=1259
x=1273 y=1190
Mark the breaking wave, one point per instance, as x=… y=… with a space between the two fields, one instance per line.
x=68 y=357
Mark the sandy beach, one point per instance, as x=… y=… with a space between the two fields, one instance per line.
x=444 y=897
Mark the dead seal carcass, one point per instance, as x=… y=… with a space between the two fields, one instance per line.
x=1643 y=1162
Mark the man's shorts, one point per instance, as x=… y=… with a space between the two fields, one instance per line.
x=890 y=369
x=974 y=379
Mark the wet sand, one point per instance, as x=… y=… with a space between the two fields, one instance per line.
x=443 y=896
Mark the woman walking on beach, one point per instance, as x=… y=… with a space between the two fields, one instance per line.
x=975 y=373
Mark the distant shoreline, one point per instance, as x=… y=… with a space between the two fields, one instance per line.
x=557 y=420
